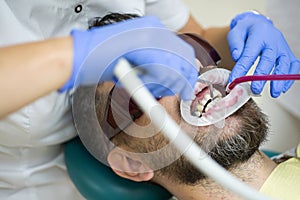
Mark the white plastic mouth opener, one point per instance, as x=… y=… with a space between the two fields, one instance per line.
x=222 y=107
x=182 y=141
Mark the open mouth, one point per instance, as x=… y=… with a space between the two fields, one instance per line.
x=212 y=105
x=204 y=101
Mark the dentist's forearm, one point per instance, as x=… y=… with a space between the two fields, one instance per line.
x=32 y=70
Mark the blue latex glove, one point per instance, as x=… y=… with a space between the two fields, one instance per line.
x=254 y=35
x=145 y=43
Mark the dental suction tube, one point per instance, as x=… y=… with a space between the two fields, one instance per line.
x=182 y=141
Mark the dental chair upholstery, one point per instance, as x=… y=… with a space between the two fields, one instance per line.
x=95 y=180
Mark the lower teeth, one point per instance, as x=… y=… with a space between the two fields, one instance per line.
x=201 y=109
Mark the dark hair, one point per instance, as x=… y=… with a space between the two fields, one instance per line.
x=110 y=19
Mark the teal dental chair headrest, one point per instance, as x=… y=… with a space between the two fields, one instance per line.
x=95 y=180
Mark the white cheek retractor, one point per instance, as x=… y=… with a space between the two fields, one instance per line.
x=221 y=108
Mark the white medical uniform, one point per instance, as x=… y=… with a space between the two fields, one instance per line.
x=31 y=160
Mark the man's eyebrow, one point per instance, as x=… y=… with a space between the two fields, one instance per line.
x=177 y=108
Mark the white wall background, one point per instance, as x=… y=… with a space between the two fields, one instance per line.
x=220 y=12
x=285 y=127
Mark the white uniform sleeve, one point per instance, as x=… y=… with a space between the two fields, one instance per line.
x=173 y=13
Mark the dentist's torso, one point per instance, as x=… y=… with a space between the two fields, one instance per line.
x=31 y=159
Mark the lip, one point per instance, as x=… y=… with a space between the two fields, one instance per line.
x=203 y=101
x=221 y=109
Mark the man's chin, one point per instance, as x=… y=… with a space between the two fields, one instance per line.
x=243 y=133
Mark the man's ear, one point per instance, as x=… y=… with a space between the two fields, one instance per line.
x=128 y=167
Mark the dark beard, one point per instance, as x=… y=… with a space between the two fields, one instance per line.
x=228 y=146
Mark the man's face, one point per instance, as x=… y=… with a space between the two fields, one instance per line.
x=234 y=143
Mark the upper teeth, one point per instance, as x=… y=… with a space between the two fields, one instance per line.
x=199 y=108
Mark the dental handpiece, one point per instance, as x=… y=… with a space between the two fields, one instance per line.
x=209 y=85
x=273 y=77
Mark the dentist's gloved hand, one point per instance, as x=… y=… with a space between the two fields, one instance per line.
x=145 y=43
x=254 y=35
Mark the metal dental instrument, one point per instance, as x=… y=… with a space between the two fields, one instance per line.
x=182 y=141
x=243 y=79
x=210 y=87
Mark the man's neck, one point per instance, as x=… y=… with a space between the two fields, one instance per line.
x=254 y=172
